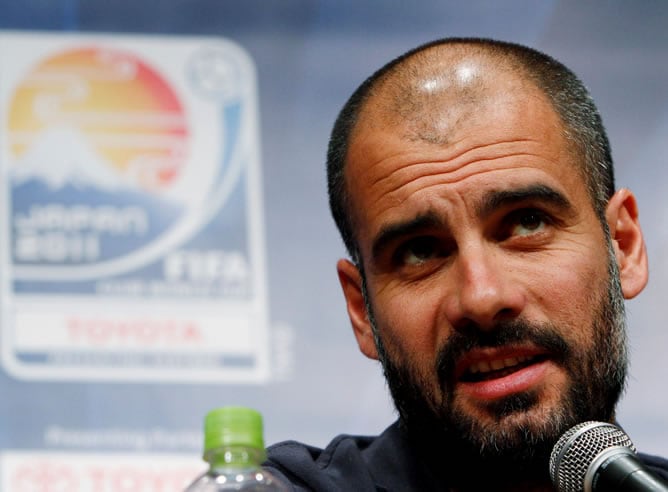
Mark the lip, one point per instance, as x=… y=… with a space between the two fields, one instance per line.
x=522 y=379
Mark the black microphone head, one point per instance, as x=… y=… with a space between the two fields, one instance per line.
x=578 y=448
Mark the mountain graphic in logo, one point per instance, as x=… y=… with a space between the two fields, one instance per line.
x=62 y=156
x=98 y=116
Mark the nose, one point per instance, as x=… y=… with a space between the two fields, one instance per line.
x=485 y=290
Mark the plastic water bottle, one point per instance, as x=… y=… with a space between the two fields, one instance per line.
x=234 y=450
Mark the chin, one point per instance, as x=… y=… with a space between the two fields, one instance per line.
x=513 y=421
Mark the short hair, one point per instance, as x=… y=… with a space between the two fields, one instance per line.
x=568 y=96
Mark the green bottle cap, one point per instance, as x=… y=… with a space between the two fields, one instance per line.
x=233 y=426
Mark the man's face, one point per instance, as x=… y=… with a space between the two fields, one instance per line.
x=488 y=275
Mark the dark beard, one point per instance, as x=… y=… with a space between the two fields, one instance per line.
x=475 y=456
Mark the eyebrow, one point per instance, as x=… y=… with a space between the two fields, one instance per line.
x=489 y=204
x=536 y=192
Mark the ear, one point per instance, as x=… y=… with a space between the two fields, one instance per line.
x=351 y=283
x=627 y=239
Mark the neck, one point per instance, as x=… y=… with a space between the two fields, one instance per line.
x=465 y=469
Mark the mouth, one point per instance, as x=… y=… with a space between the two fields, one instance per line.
x=495 y=368
x=492 y=374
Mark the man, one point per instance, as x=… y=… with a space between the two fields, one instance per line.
x=472 y=183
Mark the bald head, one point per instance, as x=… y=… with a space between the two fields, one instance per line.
x=430 y=93
x=437 y=90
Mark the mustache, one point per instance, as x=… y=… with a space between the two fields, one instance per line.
x=543 y=336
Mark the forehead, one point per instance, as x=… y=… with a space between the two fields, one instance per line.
x=506 y=135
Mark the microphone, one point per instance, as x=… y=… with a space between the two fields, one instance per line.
x=599 y=457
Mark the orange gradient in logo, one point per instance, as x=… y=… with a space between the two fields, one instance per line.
x=117 y=111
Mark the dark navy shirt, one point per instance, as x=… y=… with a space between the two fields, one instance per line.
x=369 y=463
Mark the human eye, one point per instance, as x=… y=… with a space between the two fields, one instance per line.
x=527 y=222
x=417 y=251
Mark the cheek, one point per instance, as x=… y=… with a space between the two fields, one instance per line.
x=573 y=294
x=408 y=324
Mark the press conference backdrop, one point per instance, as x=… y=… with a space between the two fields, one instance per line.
x=165 y=242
